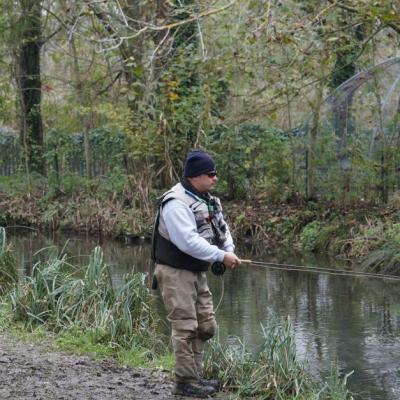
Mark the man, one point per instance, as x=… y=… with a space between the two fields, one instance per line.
x=190 y=233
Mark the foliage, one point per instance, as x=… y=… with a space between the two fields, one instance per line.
x=59 y=298
x=235 y=78
x=335 y=386
x=309 y=236
x=8 y=271
x=251 y=159
x=65 y=153
x=272 y=373
x=386 y=257
x=367 y=237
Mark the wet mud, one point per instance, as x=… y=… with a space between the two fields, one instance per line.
x=37 y=372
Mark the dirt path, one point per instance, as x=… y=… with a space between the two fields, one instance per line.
x=34 y=372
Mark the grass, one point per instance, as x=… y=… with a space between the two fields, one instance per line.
x=273 y=373
x=385 y=258
x=57 y=297
x=335 y=387
x=84 y=313
x=82 y=343
x=113 y=207
x=108 y=206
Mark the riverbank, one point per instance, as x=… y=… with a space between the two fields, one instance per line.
x=360 y=234
x=41 y=371
x=81 y=311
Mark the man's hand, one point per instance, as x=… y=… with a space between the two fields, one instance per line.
x=231 y=260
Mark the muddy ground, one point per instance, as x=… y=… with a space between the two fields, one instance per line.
x=37 y=372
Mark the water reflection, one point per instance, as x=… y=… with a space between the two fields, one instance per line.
x=352 y=321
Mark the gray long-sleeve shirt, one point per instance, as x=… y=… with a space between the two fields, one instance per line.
x=182 y=230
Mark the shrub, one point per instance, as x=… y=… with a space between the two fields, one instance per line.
x=309 y=236
x=8 y=271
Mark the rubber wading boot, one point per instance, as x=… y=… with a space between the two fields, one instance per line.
x=209 y=382
x=193 y=390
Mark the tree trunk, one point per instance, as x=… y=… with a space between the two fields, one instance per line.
x=85 y=116
x=30 y=85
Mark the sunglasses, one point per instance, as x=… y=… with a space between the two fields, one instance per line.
x=212 y=174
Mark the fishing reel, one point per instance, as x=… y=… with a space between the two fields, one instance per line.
x=218 y=268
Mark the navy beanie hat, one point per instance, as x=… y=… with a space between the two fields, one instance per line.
x=197 y=163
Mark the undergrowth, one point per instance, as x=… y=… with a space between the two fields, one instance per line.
x=8 y=271
x=385 y=258
x=274 y=372
x=57 y=297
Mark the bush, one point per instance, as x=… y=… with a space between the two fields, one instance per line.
x=309 y=236
x=251 y=158
x=8 y=271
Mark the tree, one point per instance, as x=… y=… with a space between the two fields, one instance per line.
x=29 y=83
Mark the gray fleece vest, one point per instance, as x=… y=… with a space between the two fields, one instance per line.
x=208 y=227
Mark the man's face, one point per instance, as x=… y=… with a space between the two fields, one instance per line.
x=205 y=182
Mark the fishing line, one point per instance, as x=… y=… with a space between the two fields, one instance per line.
x=319 y=270
x=222 y=293
x=218 y=270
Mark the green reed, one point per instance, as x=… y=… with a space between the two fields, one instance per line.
x=56 y=295
x=335 y=387
x=385 y=260
x=274 y=372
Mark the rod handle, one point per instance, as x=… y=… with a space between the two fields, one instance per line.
x=246 y=261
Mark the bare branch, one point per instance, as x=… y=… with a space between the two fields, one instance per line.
x=201 y=15
x=391 y=24
x=117 y=39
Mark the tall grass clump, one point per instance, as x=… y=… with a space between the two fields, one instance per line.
x=59 y=297
x=8 y=270
x=272 y=373
x=386 y=257
x=335 y=387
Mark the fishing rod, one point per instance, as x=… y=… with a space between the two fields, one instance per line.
x=218 y=268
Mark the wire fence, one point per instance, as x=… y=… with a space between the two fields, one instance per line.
x=65 y=153
x=353 y=150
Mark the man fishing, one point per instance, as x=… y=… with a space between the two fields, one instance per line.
x=189 y=234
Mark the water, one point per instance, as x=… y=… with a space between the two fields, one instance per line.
x=354 y=322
